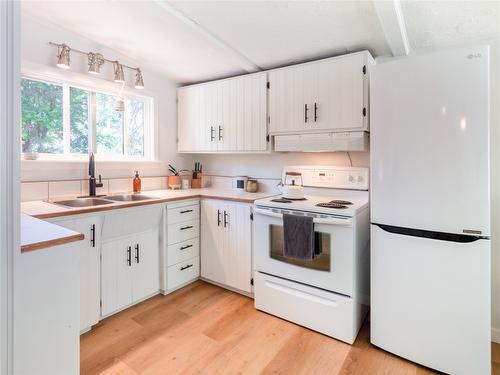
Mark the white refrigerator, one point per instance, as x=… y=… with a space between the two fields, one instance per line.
x=430 y=209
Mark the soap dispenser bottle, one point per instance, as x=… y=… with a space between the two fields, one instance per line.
x=137 y=183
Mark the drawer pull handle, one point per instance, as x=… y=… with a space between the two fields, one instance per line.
x=185 y=267
x=186 y=211
x=188 y=227
x=92 y=239
x=129 y=256
x=186 y=247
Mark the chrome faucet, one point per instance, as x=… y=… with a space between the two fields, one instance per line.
x=93 y=185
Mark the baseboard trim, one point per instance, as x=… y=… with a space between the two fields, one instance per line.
x=495 y=335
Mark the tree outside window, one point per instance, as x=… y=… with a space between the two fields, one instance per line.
x=92 y=123
x=42 y=117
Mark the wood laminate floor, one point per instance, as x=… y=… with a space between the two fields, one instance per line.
x=204 y=329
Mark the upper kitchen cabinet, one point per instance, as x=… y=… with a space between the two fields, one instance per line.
x=224 y=116
x=329 y=95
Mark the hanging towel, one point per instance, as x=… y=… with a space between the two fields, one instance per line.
x=298 y=236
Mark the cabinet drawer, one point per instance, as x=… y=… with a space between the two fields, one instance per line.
x=183 y=272
x=183 y=231
x=183 y=251
x=333 y=313
x=181 y=214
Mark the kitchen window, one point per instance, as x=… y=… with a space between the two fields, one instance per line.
x=63 y=120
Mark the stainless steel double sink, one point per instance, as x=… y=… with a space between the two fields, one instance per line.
x=109 y=199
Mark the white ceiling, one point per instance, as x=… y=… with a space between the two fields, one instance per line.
x=442 y=24
x=191 y=41
x=274 y=33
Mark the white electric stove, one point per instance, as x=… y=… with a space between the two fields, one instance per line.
x=329 y=293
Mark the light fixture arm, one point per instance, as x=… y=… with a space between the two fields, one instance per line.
x=98 y=59
x=86 y=54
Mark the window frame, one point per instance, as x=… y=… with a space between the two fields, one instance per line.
x=150 y=119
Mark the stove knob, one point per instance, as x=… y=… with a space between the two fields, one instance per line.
x=360 y=178
x=351 y=179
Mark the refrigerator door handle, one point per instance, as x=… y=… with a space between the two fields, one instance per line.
x=452 y=237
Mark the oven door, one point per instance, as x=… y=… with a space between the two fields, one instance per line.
x=333 y=264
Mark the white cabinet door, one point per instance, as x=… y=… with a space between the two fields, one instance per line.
x=208 y=116
x=326 y=95
x=226 y=243
x=116 y=275
x=90 y=296
x=212 y=239
x=227 y=127
x=227 y=116
x=339 y=94
x=146 y=264
x=251 y=112
x=188 y=121
x=89 y=250
x=287 y=110
x=238 y=245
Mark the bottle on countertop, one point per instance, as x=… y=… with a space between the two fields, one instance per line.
x=137 y=183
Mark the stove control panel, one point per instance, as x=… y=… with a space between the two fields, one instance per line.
x=332 y=177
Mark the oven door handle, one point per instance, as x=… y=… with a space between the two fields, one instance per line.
x=346 y=222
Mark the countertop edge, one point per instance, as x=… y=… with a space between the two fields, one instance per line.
x=51 y=243
x=93 y=209
x=38 y=234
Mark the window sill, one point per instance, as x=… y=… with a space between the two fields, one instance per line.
x=85 y=158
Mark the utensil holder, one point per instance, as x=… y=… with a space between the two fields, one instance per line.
x=196 y=182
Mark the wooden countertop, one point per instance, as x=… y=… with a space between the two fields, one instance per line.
x=37 y=234
x=44 y=210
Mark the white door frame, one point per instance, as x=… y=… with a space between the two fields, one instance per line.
x=9 y=169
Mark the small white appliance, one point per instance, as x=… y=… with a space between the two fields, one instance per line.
x=329 y=293
x=293 y=186
x=430 y=209
x=241 y=183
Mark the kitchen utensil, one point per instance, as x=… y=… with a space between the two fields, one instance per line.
x=252 y=186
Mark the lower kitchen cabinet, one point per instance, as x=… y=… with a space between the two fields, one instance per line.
x=182 y=258
x=129 y=270
x=226 y=243
x=183 y=272
x=89 y=250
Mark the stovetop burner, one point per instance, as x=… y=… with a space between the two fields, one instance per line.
x=331 y=205
x=341 y=201
x=287 y=200
x=281 y=200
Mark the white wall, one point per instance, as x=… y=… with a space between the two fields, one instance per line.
x=271 y=165
x=39 y=56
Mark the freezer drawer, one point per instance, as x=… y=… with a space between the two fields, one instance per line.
x=430 y=301
x=329 y=313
